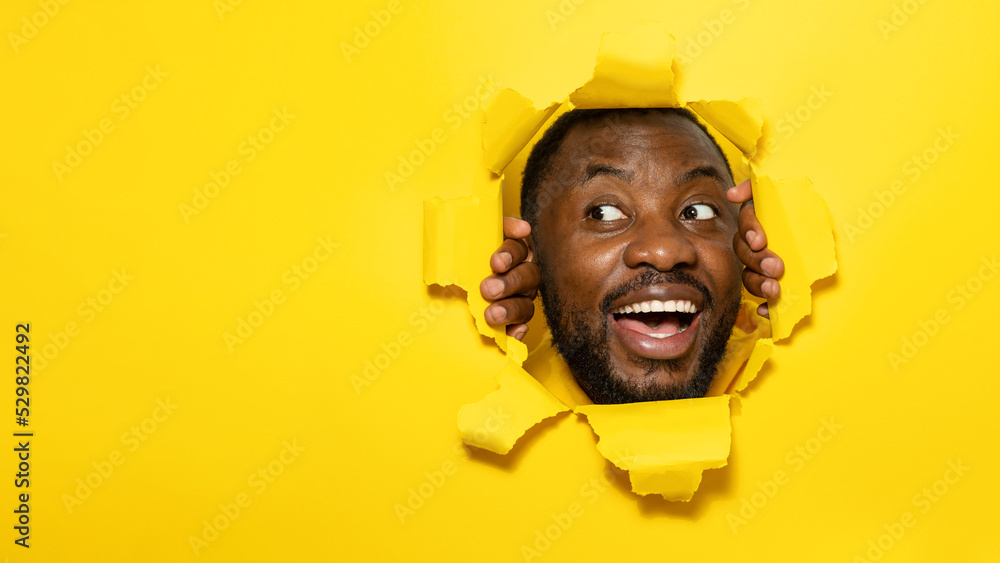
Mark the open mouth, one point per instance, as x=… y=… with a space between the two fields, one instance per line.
x=657 y=319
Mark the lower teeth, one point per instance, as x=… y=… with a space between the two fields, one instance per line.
x=667 y=335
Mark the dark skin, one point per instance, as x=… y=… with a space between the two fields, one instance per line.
x=658 y=196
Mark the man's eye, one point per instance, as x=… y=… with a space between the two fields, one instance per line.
x=698 y=212
x=606 y=213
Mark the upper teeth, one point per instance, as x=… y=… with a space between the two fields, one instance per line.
x=654 y=306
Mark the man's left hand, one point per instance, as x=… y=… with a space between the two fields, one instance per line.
x=762 y=267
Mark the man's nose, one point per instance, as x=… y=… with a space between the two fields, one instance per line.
x=660 y=243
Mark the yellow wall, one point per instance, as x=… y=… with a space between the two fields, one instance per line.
x=152 y=427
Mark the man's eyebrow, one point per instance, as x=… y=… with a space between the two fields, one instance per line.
x=605 y=169
x=702 y=172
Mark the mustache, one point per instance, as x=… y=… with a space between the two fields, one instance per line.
x=651 y=277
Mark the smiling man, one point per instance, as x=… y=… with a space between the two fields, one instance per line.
x=635 y=236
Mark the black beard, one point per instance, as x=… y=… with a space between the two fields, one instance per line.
x=585 y=348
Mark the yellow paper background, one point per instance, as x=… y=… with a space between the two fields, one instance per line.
x=879 y=98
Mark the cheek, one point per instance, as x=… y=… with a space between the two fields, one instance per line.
x=581 y=270
x=722 y=267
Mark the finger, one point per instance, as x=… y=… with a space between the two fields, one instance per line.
x=761 y=286
x=764 y=262
x=517 y=331
x=750 y=228
x=522 y=280
x=511 y=253
x=763 y=311
x=515 y=228
x=518 y=229
x=740 y=193
x=513 y=310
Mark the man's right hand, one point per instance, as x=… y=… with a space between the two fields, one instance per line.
x=513 y=286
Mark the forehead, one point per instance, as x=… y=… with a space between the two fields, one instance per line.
x=670 y=139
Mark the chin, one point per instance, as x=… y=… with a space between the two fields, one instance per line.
x=658 y=338
x=613 y=374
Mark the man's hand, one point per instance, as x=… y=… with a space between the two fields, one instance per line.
x=762 y=266
x=513 y=286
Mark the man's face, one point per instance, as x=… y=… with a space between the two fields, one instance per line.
x=640 y=283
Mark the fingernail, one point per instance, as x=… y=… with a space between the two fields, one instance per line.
x=771 y=288
x=750 y=236
x=518 y=335
x=496 y=314
x=493 y=286
x=507 y=259
x=769 y=266
x=762 y=311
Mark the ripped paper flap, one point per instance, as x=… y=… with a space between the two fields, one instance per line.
x=741 y=122
x=665 y=445
x=496 y=422
x=633 y=70
x=511 y=122
x=459 y=237
x=800 y=230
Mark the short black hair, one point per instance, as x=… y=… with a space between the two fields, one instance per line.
x=539 y=162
